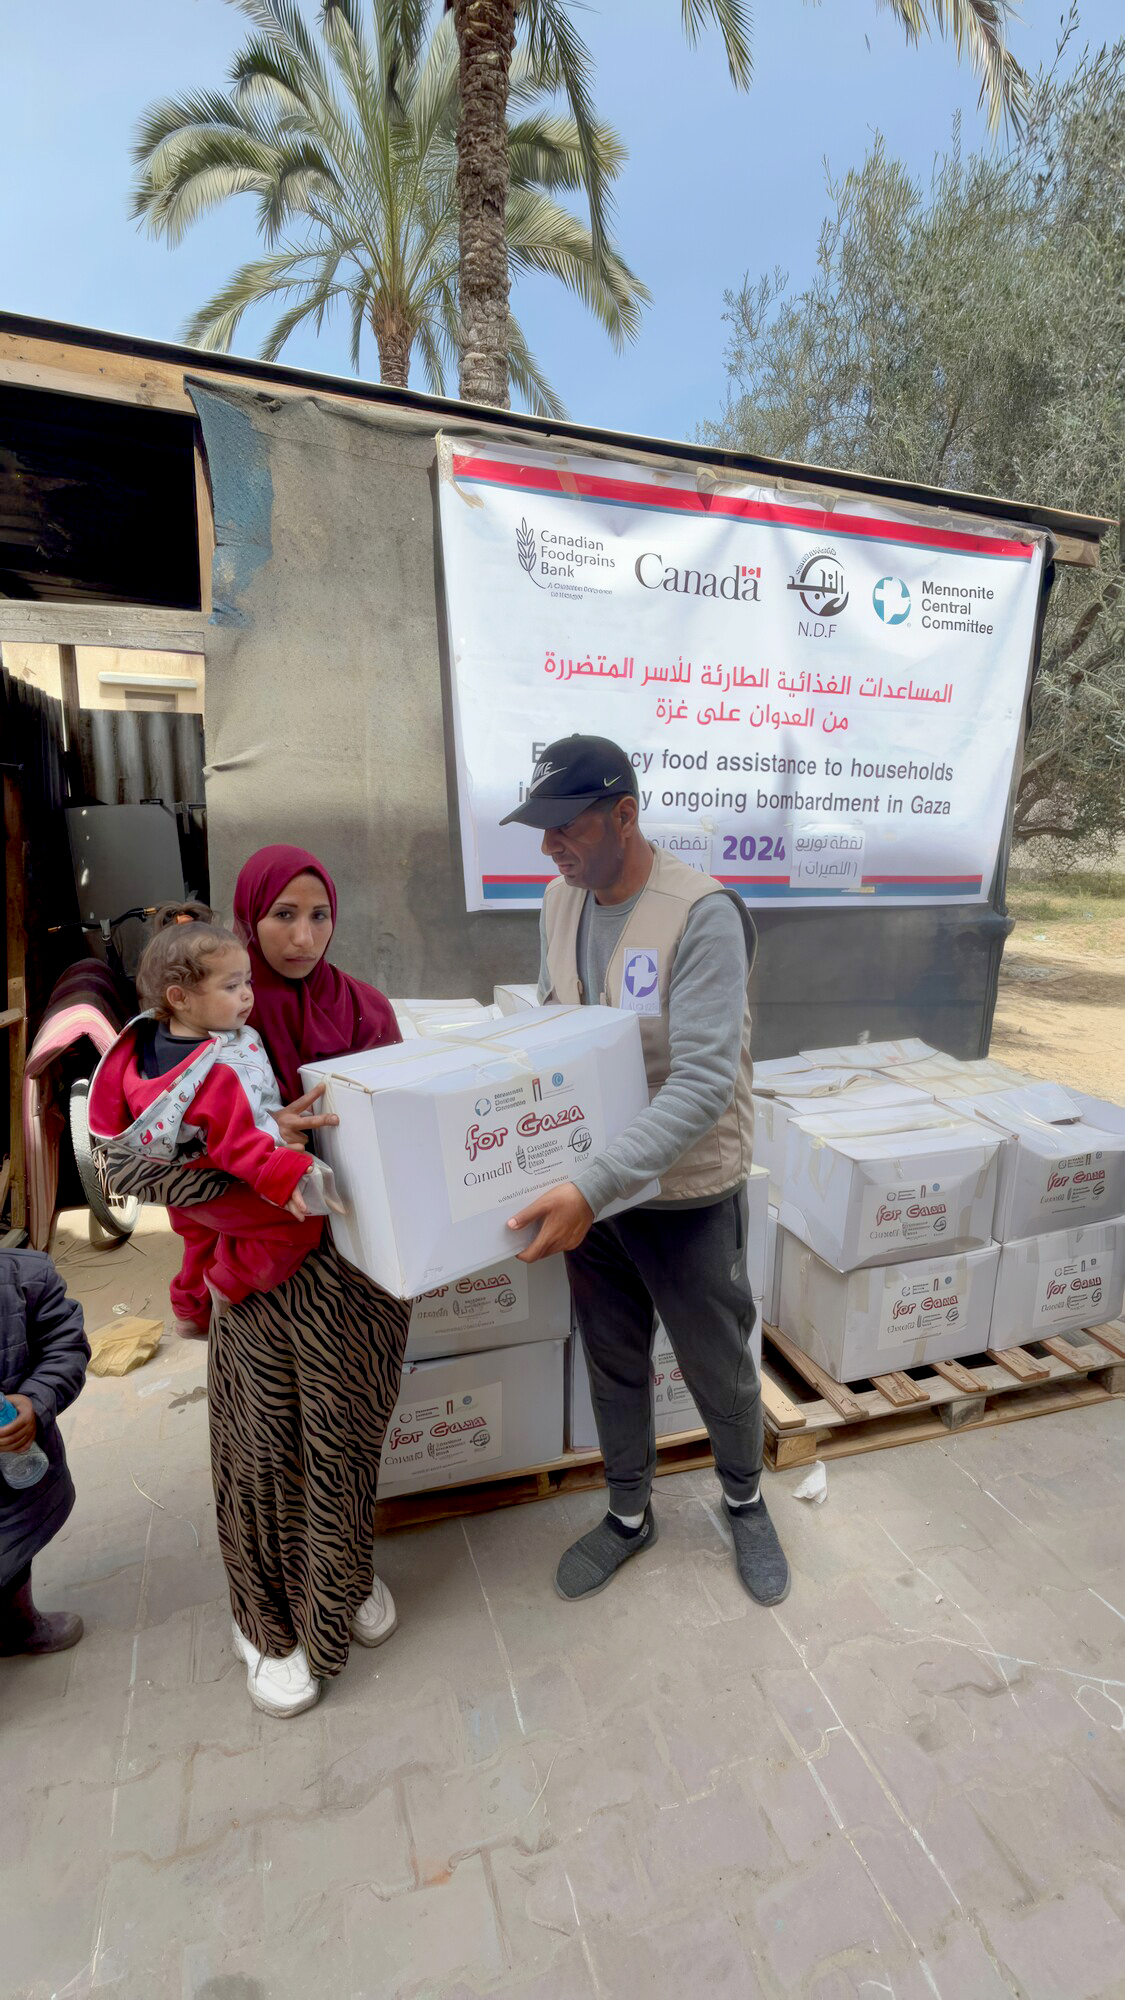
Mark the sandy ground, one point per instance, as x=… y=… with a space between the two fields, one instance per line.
x=1061 y=1009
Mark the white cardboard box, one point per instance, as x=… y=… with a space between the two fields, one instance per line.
x=421 y=1019
x=1058 y=1282
x=1056 y=1169
x=474 y=1416
x=516 y=999
x=945 y=1077
x=775 y=1066
x=505 y=1305
x=1100 y=1111
x=674 y=1406
x=849 y=1091
x=440 y=1142
x=911 y=1183
x=871 y=1322
x=772 y=1293
x=870 y=1055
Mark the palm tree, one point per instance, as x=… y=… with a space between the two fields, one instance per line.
x=347 y=136
x=486 y=38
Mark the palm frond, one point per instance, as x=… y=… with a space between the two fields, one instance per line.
x=977 y=29
x=528 y=377
x=430 y=354
x=544 y=237
x=198 y=173
x=546 y=151
x=216 y=323
x=561 y=58
x=732 y=18
x=174 y=114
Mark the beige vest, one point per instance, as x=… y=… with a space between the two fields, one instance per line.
x=721 y=1159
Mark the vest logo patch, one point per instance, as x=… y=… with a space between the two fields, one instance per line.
x=640 y=982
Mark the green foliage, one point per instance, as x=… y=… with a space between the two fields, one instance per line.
x=345 y=135
x=970 y=335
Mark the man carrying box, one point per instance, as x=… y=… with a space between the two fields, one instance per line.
x=628 y=925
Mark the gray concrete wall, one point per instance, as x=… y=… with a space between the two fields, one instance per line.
x=324 y=715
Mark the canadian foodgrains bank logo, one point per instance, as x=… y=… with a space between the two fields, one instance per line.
x=891 y=600
x=547 y=557
x=819 y=583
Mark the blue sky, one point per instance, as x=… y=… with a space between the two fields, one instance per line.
x=717 y=182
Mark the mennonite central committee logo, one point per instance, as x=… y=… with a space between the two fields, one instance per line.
x=819 y=583
x=891 y=600
x=641 y=975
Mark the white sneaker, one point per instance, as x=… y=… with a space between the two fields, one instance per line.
x=277 y=1687
x=376 y=1618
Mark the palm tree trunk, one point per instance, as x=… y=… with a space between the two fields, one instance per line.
x=394 y=340
x=486 y=33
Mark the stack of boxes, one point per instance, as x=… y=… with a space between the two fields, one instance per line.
x=981 y=1210
x=676 y=1410
x=904 y=1208
x=440 y=1140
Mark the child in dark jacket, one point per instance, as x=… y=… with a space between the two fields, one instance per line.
x=188 y=1080
x=43 y=1356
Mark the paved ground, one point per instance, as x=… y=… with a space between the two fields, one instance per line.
x=909 y=1782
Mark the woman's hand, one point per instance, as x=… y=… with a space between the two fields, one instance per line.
x=295 y=1206
x=296 y=1119
x=17 y=1435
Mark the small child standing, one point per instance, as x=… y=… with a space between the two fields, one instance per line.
x=198 y=1088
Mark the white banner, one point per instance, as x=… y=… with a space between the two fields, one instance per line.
x=822 y=697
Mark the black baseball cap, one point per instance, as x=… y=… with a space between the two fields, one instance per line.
x=572 y=774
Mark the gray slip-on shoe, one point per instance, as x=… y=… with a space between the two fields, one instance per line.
x=759 y=1558
x=590 y=1564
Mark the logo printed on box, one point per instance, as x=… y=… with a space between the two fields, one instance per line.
x=499 y=1297
x=906 y=1215
x=1069 y=1289
x=506 y=1163
x=421 y=1436
x=918 y=1308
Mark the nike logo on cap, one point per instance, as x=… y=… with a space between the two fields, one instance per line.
x=552 y=771
x=607 y=782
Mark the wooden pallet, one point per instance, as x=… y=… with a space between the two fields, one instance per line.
x=808 y=1415
x=574 y=1472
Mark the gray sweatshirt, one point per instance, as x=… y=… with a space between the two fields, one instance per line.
x=706 y=999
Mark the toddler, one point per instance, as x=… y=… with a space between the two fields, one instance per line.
x=193 y=1084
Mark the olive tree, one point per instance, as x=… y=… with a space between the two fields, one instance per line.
x=969 y=334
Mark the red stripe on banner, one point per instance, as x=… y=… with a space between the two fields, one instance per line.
x=922 y=878
x=665 y=499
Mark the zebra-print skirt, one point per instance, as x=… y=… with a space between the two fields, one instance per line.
x=300 y=1384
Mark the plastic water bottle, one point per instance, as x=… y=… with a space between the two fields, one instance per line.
x=20 y=1468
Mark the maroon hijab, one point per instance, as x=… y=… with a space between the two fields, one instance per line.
x=301 y=1020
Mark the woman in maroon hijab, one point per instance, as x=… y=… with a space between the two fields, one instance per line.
x=285 y=908
x=301 y=1380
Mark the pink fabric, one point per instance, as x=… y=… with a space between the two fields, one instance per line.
x=301 y=1020
x=83 y=1005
